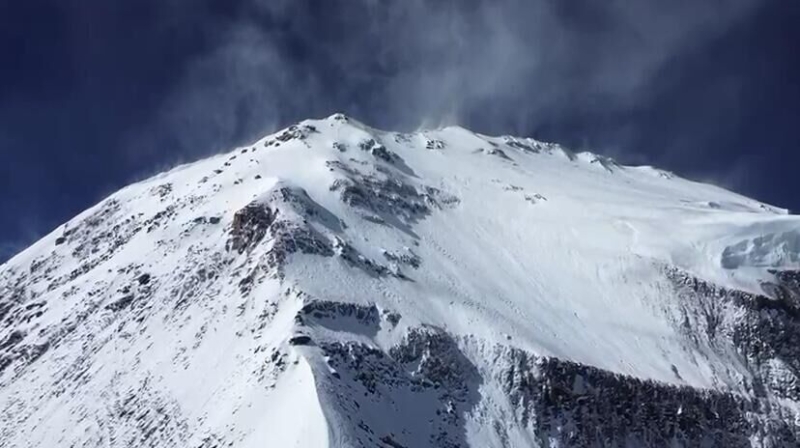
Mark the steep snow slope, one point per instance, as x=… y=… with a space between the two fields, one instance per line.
x=337 y=285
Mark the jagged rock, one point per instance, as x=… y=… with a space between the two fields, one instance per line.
x=296 y=132
x=367 y=315
x=389 y=197
x=300 y=340
x=249 y=227
x=406 y=257
x=144 y=279
x=434 y=144
x=766 y=331
x=494 y=151
x=120 y=304
x=577 y=405
x=378 y=151
x=162 y=191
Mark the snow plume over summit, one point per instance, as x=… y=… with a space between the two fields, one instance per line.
x=335 y=285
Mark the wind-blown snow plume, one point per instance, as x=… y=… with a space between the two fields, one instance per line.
x=421 y=62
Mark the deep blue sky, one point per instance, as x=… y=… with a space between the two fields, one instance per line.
x=95 y=94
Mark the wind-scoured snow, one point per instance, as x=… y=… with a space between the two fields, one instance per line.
x=338 y=285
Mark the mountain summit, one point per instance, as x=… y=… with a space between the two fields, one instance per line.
x=334 y=285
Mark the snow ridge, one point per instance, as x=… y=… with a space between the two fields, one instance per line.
x=337 y=285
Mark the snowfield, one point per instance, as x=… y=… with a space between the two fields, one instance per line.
x=335 y=285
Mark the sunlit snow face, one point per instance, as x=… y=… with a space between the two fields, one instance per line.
x=399 y=287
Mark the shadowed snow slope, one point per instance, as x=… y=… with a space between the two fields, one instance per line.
x=337 y=285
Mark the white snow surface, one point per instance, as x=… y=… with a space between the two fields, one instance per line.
x=527 y=245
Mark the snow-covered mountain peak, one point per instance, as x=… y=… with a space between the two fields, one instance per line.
x=338 y=285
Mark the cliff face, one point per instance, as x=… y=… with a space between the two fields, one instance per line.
x=337 y=285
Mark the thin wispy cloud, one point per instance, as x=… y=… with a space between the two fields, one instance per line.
x=494 y=65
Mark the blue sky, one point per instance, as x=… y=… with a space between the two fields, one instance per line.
x=97 y=94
